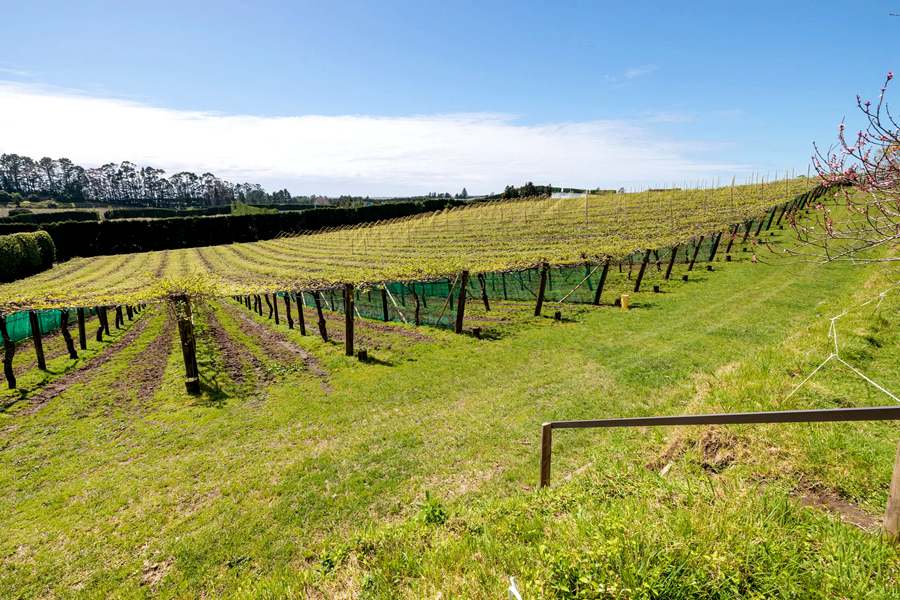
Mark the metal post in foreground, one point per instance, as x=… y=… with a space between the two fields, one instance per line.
x=827 y=415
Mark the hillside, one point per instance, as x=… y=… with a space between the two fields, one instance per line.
x=301 y=473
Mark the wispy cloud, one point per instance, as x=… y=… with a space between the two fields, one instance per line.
x=17 y=73
x=635 y=72
x=347 y=154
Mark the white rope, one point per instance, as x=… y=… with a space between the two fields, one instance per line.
x=833 y=335
x=858 y=372
x=400 y=312
x=588 y=276
x=808 y=377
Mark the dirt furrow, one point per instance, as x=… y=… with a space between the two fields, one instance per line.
x=55 y=388
x=283 y=350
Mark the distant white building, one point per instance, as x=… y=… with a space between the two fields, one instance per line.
x=568 y=194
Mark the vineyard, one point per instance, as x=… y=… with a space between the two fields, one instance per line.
x=489 y=237
x=299 y=473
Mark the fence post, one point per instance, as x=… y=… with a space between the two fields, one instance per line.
x=601 y=283
x=36 y=338
x=182 y=308
x=892 y=513
x=269 y=304
x=671 y=262
x=9 y=350
x=771 y=218
x=348 y=319
x=82 y=334
x=323 y=330
x=637 y=283
x=696 y=251
x=542 y=287
x=64 y=329
x=120 y=320
x=484 y=296
x=301 y=320
x=461 y=301
x=731 y=237
x=715 y=246
x=384 y=304
x=287 y=310
x=546 y=452
x=275 y=307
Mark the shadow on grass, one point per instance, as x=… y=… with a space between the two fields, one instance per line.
x=372 y=360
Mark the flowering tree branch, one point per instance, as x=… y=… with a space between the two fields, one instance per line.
x=865 y=174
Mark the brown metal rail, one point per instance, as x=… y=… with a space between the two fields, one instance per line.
x=828 y=415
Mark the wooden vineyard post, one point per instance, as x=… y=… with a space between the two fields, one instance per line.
x=129 y=312
x=64 y=329
x=301 y=320
x=671 y=262
x=600 y=284
x=323 y=331
x=99 y=324
x=9 y=351
x=120 y=320
x=637 y=283
x=104 y=313
x=82 y=334
x=287 y=310
x=696 y=252
x=484 y=296
x=348 y=319
x=771 y=218
x=182 y=308
x=36 y=338
x=760 y=226
x=542 y=288
x=503 y=281
x=892 y=512
x=269 y=304
x=546 y=453
x=781 y=215
x=715 y=246
x=275 y=307
x=748 y=225
x=384 y=304
x=461 y=301
x=417 y=317
x=731 y=238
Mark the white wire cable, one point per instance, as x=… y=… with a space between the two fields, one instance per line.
x=833 y=334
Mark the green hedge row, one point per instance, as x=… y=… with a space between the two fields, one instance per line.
x=121 y=236
x=52 y=216
x=23 y=254
x=7 y=228
x=162 y=213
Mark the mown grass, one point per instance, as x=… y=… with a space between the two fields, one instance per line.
x=280 y=487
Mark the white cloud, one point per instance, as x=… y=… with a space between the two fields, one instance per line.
x=346 y=154
x=635 y=72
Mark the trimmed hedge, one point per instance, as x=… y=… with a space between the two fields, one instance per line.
x=122 y=236
x=52 y=216
x=7 y=228
x=23 y=254
x=163 y=213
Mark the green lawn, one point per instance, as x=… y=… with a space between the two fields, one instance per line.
x=416 y=474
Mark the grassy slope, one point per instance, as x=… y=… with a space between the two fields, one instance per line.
x=290 y=490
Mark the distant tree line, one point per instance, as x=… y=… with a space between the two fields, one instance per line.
x=125 y=184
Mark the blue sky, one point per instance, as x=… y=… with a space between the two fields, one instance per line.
x=387 y=97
